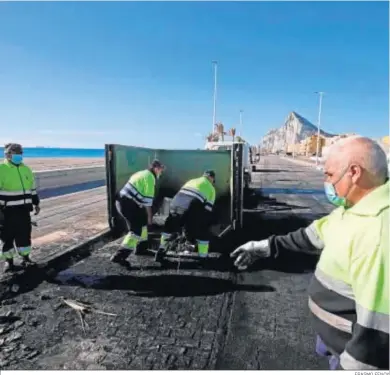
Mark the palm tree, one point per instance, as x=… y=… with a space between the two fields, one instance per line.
x=232 y=133
x=220 y=131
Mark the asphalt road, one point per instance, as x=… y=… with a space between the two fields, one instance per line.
x=70 y=189
x=272 y=331
x=177 y=318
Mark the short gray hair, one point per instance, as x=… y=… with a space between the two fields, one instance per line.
x=365 y=152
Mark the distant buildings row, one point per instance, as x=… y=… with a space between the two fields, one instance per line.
x=308 y=146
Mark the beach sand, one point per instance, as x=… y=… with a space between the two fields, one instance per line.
x=44 y=164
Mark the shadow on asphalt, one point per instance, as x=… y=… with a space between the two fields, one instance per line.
x=8 y=319
x=24 y=281
x=157 y=285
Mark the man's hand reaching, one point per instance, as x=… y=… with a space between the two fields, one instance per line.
x=248 y=253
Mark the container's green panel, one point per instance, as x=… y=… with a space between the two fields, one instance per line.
x=183 y=165
x=129 y=160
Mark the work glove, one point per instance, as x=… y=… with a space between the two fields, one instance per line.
x=37 y=210
x=248 y=253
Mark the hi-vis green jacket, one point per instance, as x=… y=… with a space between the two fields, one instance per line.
x=140 y=188
x=17 y=186
x=349 y=293
x=202 y=189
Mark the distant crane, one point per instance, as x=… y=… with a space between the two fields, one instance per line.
x=241 y=122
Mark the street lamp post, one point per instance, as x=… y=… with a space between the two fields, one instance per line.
x=215 y=95
x=241 y=121
x=320 y=93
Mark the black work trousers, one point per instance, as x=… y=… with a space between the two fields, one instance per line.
x=16 y=232
x=134 y=215
x=188 y=213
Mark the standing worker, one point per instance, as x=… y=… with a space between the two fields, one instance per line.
x=134 y=204
x=349 y=293
x=18 y=195
x=191 y=208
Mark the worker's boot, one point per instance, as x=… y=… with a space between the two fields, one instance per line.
x=203 y=252
x=142 y=245
x=9 y=265
x=189 y=247
x=141 y=248
x=159 y=257
x=26 y=261
x=120 y=257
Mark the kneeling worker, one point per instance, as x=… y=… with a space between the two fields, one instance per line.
x=18 y=195
x=191 y=208
x=134 y=204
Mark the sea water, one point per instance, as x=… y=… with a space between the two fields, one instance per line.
x=51 y=152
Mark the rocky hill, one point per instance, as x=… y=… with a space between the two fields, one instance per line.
x=276 y=139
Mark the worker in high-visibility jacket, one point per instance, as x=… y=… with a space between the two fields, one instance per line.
x=349 y=293
x=18 y=196
x=191 y=209
x=134 y=204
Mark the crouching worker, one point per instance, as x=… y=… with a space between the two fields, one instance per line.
x=18 y=195
x=191 y=209
x=134 y=204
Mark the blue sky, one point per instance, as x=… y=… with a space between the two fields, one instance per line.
x=85 y=74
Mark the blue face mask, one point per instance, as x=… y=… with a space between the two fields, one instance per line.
x=16 y=159
x=332 y=196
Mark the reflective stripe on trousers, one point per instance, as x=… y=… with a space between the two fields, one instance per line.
x=10 y=254
x=130 y=241
x=7 y=255
x=144 y=234
x=203 y=248
x=163 y=240
x=24 y=251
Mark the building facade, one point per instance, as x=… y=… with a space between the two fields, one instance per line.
x=308 y=147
